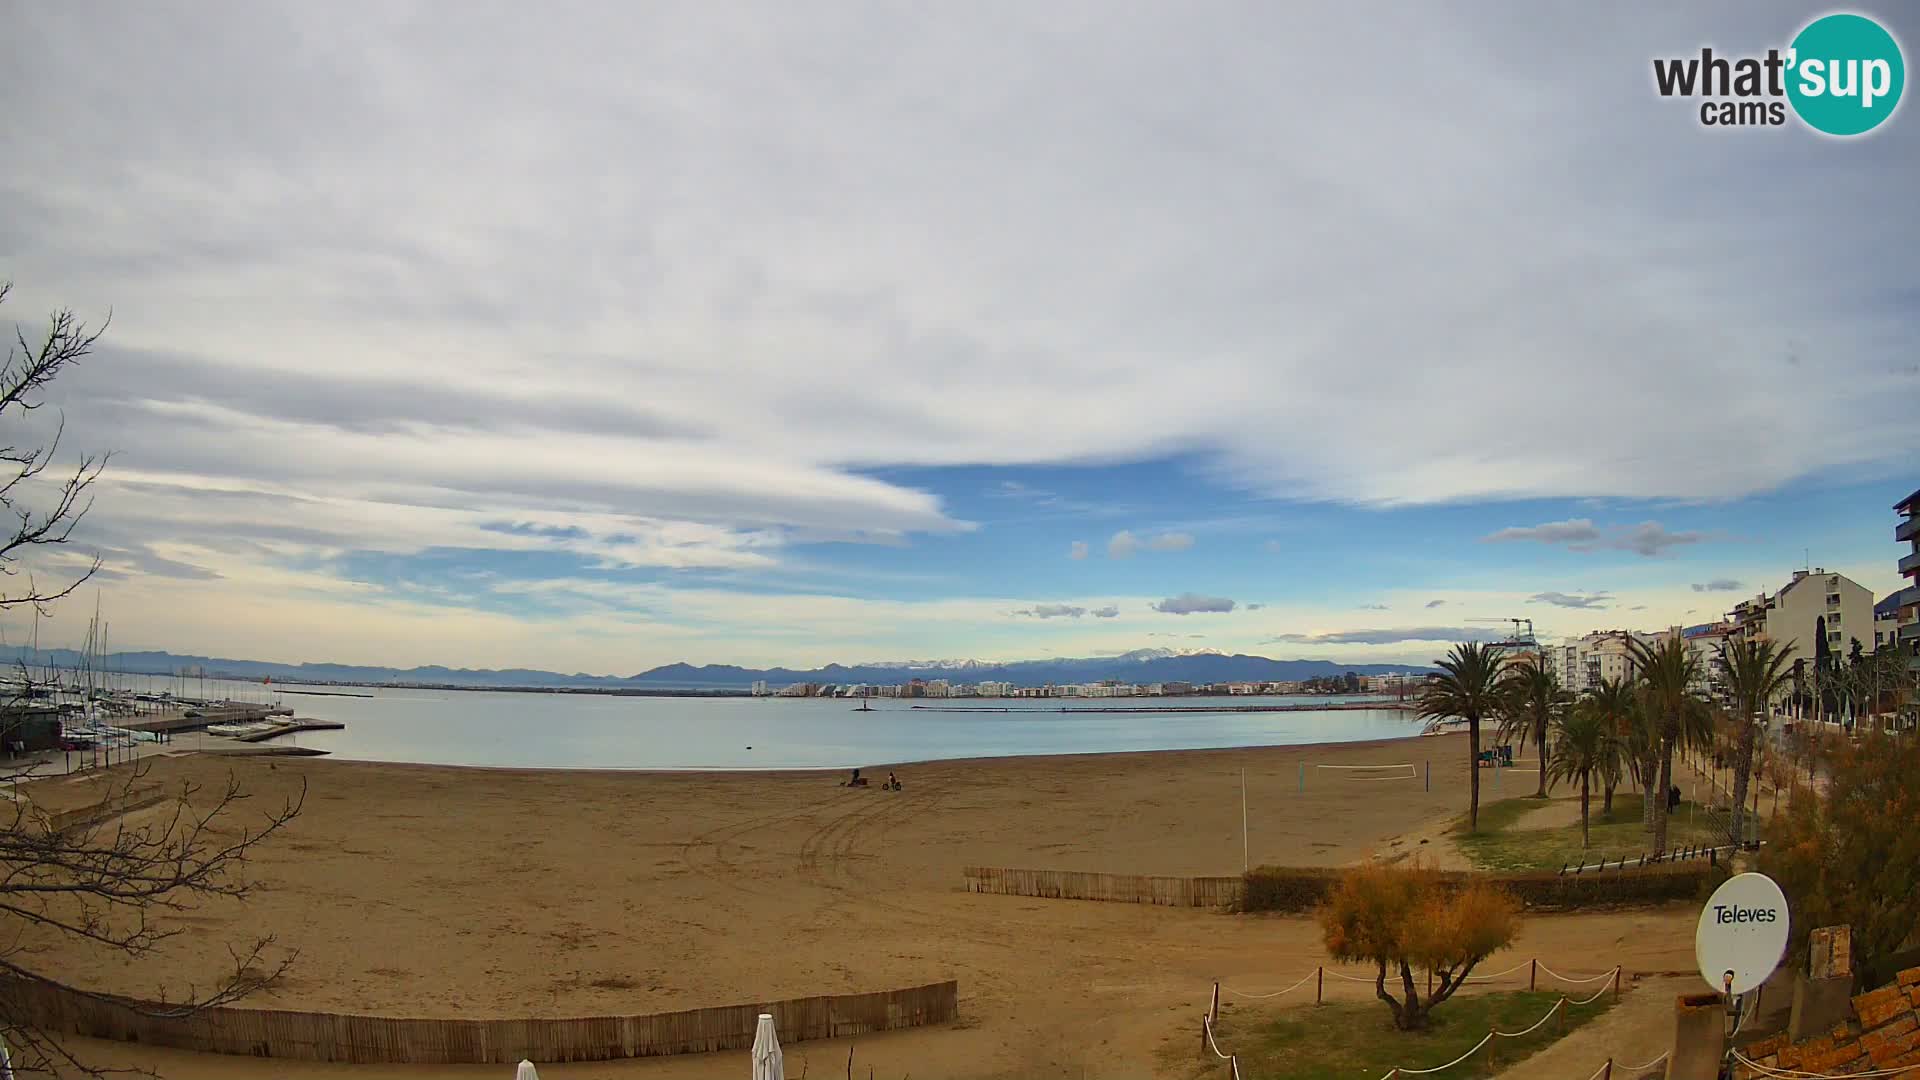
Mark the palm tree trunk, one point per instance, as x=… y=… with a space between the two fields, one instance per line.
x=1540 y=748
x=1606 y=803
x=1660 y=799
x=1473 y=771
x=1742 y=768
x=1586 y=826
x=1648 y=769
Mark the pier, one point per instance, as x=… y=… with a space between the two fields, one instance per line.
x=292 y=727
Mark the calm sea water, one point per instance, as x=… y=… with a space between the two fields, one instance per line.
x=454 y=727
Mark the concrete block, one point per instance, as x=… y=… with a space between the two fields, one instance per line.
x=1818 y=1004
x=1699 y=1037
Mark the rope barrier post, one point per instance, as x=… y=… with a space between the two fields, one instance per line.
x=1533 y=974
x=1319 y=982
x=1616 y=984
x=1213 y=1010
x=1607 y=1073
x=1203 y=1035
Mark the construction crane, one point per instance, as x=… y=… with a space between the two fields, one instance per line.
x=1521 y=638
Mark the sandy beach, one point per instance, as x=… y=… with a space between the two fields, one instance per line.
x=431 y=891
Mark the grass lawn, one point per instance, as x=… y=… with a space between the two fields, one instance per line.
x=1357 y=1040
x=1505 y=843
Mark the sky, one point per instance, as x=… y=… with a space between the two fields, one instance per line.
x=595 y=336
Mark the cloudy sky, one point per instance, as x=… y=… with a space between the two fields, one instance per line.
x=597 y=336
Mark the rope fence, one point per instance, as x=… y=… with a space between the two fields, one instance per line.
x=1208 y=1041
x=1317 y=976
x=1795 y=1074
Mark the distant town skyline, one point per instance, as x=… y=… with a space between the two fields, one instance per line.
x=772 y=336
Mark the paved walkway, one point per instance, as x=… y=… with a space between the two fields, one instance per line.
x=1633 y=1032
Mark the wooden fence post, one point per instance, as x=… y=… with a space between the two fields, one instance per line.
x=1533 y=973
x=1607 y=1074
x=1616 y=982
x=1319 y=982
x=1213 y=1010
x=1203 y=1036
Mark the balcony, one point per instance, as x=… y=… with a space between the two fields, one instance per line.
x=1910 y=565
x=1907 y=530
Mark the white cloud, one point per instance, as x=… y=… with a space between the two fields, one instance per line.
x=1123 y=545
x=1570 y=600
x=1108 y=612
x=1648 y=538
x=1077 y=550
x=1192 y=603
x=1171 y=542
x=1053 y=611
x=1718 y=585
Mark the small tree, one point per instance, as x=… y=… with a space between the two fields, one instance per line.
x=1583 y=747
x=1755 y=673
x=1853 y=855
x=1468 y=686
x=1531 y=699
x=1405 y=918
x=1614 y=701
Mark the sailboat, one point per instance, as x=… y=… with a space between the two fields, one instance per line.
x=866 y=704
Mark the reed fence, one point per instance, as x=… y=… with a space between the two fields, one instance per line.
x=1218 y=893
x=369 y=1040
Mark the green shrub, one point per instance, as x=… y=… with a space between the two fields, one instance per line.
x=1301 y=889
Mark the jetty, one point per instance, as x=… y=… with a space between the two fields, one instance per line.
x=277 y=728
x=194 y=719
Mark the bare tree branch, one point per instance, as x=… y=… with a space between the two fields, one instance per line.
x=99 y=882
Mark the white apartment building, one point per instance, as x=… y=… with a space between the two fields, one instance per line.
x=1886 y=621
x=1816 y=605
x=1582 y=663
x=939 y=688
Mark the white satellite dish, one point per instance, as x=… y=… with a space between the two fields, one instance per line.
x=1742 y=933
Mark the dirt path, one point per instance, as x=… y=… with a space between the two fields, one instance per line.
x=1633 y=1032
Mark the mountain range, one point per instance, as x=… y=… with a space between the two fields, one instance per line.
x=1139 y=666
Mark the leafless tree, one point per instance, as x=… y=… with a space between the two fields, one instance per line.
x=98 y=877
x=29 y=368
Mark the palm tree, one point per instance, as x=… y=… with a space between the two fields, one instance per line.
x=1614 y=702
x=1668 y=672
x=1755 y=673
x=1583 y=744
x=1531 y=699
x=1468 y=687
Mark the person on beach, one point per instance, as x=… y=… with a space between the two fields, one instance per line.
x=892 y=784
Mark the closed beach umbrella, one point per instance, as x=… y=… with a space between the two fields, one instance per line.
x=526 y=1071
x=768 y=1064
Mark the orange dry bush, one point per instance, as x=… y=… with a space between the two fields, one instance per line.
x=1406 y=918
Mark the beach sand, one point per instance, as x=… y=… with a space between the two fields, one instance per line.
x=432 y=891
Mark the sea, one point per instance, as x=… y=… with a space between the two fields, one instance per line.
x=595 y=731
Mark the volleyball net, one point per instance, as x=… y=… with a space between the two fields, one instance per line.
x=1403 y=771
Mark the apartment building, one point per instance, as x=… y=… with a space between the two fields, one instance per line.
x=1815 y=607
x=1908 y=532
x=1582 y=663
x=1886 y=621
